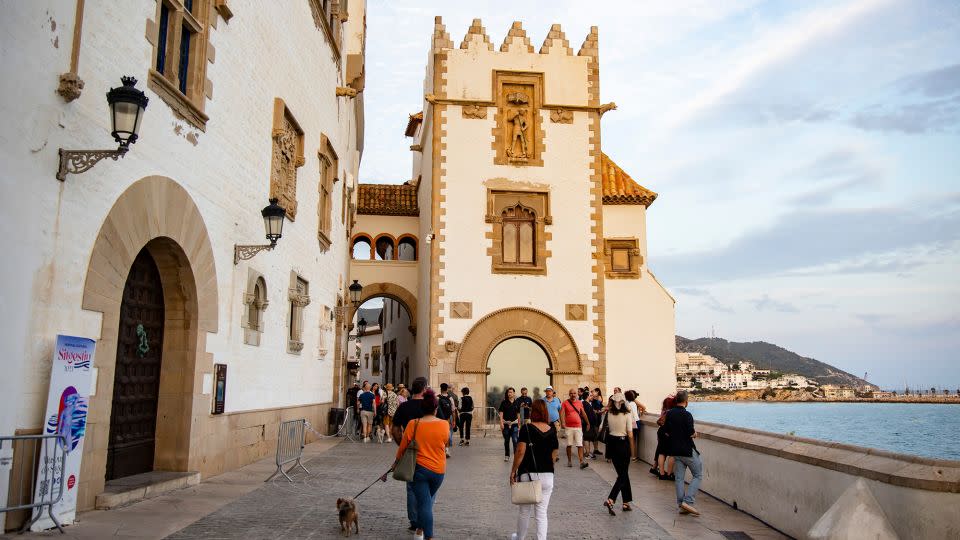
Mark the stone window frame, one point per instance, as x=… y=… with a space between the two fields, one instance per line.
x=376 y=356
x=299 y=297
x=255 y=298
x=198 y=21
x=499 y=200
x=325 y=326
x=329 y=175
x=329 y=18
x=280 y=113
x=635 y=259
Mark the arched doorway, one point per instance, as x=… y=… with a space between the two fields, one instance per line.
x=136 y=380
x=518 y=362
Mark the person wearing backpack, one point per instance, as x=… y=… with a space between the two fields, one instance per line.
x=465 y=416
x=446 y=411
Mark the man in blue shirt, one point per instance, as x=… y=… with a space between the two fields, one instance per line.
x=365 y=403
x=553 y=406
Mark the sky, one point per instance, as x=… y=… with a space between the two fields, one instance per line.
x=807 y=157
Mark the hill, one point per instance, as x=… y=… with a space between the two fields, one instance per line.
x=768 y=356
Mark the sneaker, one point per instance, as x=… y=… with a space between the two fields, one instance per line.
x=461 y=442
x=513 y=536
x=447 y=451
x=418 y=535
x=689 y=508
x=506 y=458
x=366 y=439
x=584 y=465
x=468 y=442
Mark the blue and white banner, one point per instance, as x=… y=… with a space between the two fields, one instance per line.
x=67 y=404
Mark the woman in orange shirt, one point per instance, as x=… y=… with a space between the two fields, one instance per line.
x=432 y=435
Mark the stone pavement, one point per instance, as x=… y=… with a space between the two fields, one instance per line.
x=472 y=503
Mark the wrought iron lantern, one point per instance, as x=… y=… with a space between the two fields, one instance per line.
x=356 y=289
x=361 y=327
x=273 y=217
x=127 y=105
x=126 y=111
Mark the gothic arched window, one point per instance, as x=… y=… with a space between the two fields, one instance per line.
x=519 y=230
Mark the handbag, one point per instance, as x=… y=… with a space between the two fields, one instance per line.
x=406 y=464
x=531 y=491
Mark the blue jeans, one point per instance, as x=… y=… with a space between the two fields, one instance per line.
x=411 y=505
x=425 y=485
x=696 y=471
x=511 y=432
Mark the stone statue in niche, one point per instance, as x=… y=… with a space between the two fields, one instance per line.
x=517 y=116
x=287 y=148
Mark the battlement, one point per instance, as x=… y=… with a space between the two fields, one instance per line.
x=516 y=40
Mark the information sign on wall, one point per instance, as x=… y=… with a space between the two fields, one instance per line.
x=219 y=388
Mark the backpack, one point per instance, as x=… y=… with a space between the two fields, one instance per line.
x=444 y=408
x=466 y=404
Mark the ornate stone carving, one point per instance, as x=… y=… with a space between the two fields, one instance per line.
x=287 y=158
x=576 y=312
x=607 y=107
x=70 y=86
x=451 y=346
x=561 y=116
x=344 y=91
x=474 y=111
x=518 y=135
x=298 y=298
x=461 y=310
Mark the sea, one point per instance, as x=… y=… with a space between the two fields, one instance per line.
x=920 y=429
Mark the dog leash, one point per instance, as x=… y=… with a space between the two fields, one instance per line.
x=379 y=479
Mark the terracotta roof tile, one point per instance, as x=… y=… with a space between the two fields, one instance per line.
x=414 y=121
x=619 y=188
x=387 y=200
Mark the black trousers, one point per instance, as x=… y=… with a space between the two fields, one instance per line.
x=618 y=450
x=464 y=422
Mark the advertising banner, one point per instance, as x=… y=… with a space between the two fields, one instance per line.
x=67 y=405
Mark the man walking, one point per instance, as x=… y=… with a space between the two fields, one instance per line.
x=678 y=427
x=572 y=419
x=553 y=407
x=410 y=409
x=446 y=410
x=365 y=401
x=524 y=404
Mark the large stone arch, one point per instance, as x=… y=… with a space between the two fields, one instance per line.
x=529 y=323
x=392 y=291
x=158 y=214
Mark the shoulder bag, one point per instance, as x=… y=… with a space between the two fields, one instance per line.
x=406 y=465
x=531 y=491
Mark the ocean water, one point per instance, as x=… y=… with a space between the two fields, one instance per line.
x=920 y=429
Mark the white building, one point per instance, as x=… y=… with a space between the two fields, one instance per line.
x=246 y=102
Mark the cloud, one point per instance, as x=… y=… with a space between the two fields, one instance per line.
x=765 y=303
x=836 y=172
x=811 y=238
x=940 y=115
x=778 y=45
x=709 y=301
x=939 y=82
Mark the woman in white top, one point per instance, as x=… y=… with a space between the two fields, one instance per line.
x=636 y=409
x=619 y=445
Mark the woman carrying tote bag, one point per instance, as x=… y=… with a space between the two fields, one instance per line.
x=533 y=462
x=428 y=436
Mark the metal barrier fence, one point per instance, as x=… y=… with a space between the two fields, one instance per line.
x=290 y=442
x=28 y=491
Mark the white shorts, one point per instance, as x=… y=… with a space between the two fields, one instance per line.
x=574 y=436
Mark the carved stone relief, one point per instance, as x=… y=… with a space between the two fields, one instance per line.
x=287 y=158
x=576 y=312
x=474 y=111
x=461 y=310
x=451 y=346
x=561 y=116
x=518 y=135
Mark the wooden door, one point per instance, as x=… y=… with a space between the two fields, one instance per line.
x=136 y=382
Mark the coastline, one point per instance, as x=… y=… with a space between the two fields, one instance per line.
x=802 y=396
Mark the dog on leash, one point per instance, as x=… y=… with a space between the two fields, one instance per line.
x=349 y=514
x=381 y=433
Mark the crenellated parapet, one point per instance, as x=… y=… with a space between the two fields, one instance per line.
x=516 y=39
x=476 y=37
x=441 y=39
x=556 y=40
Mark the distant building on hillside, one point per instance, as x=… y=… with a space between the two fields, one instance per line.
x=832 y=391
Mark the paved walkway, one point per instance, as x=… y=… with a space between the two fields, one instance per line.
x=472 y=503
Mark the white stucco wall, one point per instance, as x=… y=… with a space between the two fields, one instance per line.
x=372 y=338
x=398 y=327
x=51 y=226
x=640 y=322
x=565 y=174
